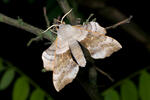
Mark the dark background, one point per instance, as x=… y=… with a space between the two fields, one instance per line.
x=13 y=45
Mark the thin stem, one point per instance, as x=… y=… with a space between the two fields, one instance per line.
x=120 y=23
x=24 y=26
x=45 y=16
x=104 y=73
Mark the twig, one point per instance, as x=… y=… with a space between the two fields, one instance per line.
x=26 y=27
x=104 y=73
x=120 y=23
x=46 y=17
x=34 y=39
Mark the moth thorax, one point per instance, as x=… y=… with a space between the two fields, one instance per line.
x=66 y=31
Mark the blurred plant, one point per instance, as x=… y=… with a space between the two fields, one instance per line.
x=21 y=85
x=129 y=90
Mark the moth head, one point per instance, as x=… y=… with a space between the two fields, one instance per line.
x=61 y=22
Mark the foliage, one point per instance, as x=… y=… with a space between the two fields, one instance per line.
x=21 y=90
x=130 y=91
x=22 y=84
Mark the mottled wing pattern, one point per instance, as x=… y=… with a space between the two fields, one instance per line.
x=62 y=45
x=57 y=58
x=100 y=47
x=94 y=28
x=59 y=46
x=65 y=70
x=77 y=53
x=48 y=57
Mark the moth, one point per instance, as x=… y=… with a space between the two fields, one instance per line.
x=58 y=57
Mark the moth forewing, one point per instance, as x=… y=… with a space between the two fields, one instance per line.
x=48 y=57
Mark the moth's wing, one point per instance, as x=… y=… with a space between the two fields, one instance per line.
x=77 y=53
x=48 y=57
x=100 y=46
x=95 y=27
x=65 y=70
x=59 y=46
x=62 y=45
x=91 y=28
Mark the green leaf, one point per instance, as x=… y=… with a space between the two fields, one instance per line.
x=111 y=95
x=128 y=91
x=37 y=94
x=144 y=86
x=21 y=89
x=7 y=78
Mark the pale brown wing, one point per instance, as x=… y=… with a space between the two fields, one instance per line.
x=58 y=47
x=94 y=28
x=48 y=57
x=77 y=53
x=100 y=46
x=65 y=70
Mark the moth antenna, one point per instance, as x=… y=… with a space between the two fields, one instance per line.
x=50 y=28
x=65 y=16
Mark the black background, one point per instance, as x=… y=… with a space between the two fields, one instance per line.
x=13 y=46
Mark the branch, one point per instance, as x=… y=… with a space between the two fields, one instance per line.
x=120 y=23
x=46 y=17
x=27 y=27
